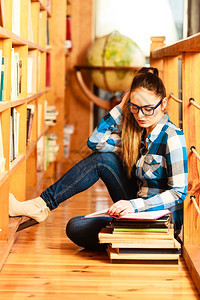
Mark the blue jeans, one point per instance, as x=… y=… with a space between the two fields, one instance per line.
x=107 y=166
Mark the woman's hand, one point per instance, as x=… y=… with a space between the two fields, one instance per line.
x=125 y=98
x=121 y=208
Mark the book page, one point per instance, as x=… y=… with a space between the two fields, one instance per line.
x=146 y=215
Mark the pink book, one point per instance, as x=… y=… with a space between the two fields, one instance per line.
x=146 y=215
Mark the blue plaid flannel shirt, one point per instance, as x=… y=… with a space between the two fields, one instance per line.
x=162 y=169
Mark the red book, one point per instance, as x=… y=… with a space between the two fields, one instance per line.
x=48 y=70
x=68 y=42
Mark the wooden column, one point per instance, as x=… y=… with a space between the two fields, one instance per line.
x=191 y=127
x=56 y=96
x=78 y=107
x=170 y=66
x=157 y=42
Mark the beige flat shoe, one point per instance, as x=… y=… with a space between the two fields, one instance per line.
x=35 y=209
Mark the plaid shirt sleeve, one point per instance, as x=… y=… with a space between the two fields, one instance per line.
x=107 y=136
x=176 y=172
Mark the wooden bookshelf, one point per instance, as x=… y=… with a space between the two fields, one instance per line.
x=27 y=35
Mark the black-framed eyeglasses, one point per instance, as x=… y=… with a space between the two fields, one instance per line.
x=146 y=110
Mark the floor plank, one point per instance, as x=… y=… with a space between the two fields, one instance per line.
x=45 y=264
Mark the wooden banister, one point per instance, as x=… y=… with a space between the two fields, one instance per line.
x=195 y=204
x=193 y=149
x=168 y=59
x=171 y=95
x=192 y=101
x=190 y=44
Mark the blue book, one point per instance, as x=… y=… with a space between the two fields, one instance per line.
x=2 y=78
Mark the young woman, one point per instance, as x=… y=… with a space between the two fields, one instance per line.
x=138 y=153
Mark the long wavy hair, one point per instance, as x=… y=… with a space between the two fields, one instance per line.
x=131 y=132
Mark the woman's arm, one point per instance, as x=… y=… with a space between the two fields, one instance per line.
x=107 y=136
x=177 y=173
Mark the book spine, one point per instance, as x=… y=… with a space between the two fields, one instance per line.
x=30 y=127
x=48 y=70
x=20 y=77
x=68 y=42
x=2 y=79
x=2 y=14
x=47 y=32
x=30 y=115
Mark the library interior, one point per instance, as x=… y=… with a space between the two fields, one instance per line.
x=67 y=66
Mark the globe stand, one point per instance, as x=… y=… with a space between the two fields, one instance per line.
x=107 y=105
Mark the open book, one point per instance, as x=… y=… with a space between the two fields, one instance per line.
x=146 y=215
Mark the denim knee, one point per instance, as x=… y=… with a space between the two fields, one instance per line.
x=84 y=232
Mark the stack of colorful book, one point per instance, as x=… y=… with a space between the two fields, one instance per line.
x=141 y=236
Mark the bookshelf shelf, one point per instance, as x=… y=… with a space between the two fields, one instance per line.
x=3 y=177
x=43 y=7
x=45 y=130
x=49 y=48
x=5 y=34
x=4 y=105
x=33 y=46
x=16 y=163
x=5 y=246
x=28 y=87
x=25 y=42
x=17 y=40
x=48 y=89
x=17 y=102
x=31 y=97
x=30 y=148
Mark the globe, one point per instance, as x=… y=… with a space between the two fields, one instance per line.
x=114 y=59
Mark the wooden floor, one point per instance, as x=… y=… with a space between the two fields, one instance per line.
x=45 y=264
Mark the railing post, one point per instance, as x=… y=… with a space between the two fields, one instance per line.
x=170 y=66
x=157 y=42
x=162 y=58
x=191 y=128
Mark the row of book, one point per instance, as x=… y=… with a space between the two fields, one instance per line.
x=16 y=16
x=68 y=131
x=2 y=14
x=141 y=238
x=16 y=74
x=51 y=148
x=16 y=13
x=34 y=69
x=30 y=115
x=14 y=137
x=51 y=115
x=14 y=133
x=14 y=129
x=47 y=149
x=33 y=72
x=3 y=73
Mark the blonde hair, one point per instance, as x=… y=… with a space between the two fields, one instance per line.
x=130 y=140
x=131 y=131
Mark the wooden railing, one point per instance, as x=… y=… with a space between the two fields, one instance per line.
x=179 y=67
